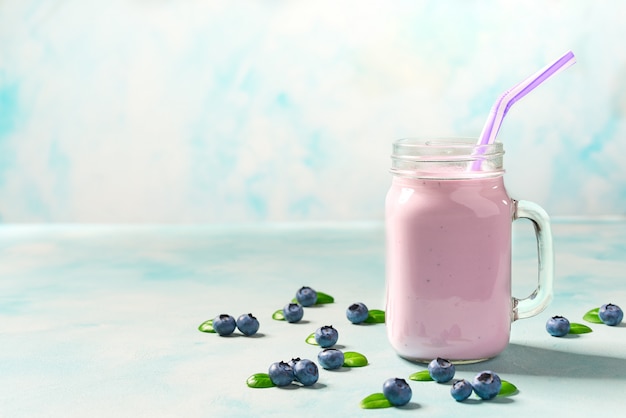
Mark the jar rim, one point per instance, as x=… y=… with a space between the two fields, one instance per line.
x=446 y=143
x=446 y=157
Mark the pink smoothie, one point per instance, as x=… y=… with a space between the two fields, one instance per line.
x=448 y=268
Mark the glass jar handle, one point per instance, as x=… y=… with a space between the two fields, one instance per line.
x=542 y=295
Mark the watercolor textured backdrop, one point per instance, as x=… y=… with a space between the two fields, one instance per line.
x=217 y=111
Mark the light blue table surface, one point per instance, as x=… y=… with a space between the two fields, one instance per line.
x=102 y=321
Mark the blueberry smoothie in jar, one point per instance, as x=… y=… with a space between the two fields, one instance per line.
x=448 y=251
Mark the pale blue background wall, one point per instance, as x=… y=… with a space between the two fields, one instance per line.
x=241 y=111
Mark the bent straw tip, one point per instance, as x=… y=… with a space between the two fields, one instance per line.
x=509 y=97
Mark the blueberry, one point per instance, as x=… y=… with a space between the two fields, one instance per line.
x=293 y=312
x=461 y=390
x=224 y=324
x=357 y=313
x=306 y=296
x=330 y=358
x=441 y=370
x=306 y=372
x=248 y=324
x=281 y=373
x=557 y=326
x=487 y=385
x=326 y=336
x=397 y=391
x=611 y=314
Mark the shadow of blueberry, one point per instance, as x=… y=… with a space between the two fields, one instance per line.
x=410 y=406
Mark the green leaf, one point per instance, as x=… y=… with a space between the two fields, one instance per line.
x=260 y=380
x=592 y=316
x=507 y=389
x=421 y=376
x=375 y=316
x=354 y=359
x=278 y=315
x=375 y=401
x=324 y=298
x=575 y=328
x=311 y=339
x=207 y=326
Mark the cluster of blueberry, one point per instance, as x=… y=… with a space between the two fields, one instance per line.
x=305 y=371
x=485 y=384
x=301 y=370
x=329 y=358
x=225 y=324
x=305 y=297
x=609 y=314
x=356 y=313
